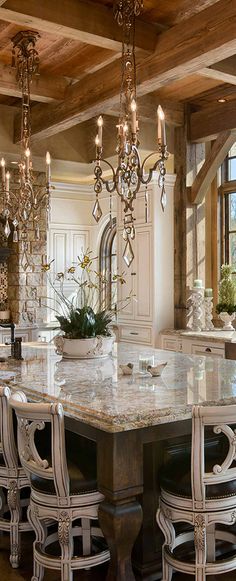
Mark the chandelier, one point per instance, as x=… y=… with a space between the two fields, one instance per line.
x=22 y=199
x=131 y=173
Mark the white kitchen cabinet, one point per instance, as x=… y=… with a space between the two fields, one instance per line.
x=194 y=345
x=150 y=277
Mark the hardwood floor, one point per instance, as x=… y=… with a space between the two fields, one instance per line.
x=24 y=573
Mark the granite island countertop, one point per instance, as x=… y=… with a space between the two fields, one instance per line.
x=93 y=391
x=215 y=336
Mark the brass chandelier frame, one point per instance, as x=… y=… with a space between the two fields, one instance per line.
x=131 y=172
x=21 y=204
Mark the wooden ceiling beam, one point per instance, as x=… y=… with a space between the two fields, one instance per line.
x=183 y=49
x=44 y=89
x=213 y=161
x=206 y=124
x=147 y=110
x=213 y=73
x=87 y=22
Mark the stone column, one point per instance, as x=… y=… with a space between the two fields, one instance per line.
x=26 y=281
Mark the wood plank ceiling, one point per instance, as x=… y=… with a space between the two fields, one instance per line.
x=186 y=54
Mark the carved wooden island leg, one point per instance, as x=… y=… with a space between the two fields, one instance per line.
x=120 y=479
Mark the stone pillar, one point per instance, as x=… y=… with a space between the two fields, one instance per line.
x=26 y=281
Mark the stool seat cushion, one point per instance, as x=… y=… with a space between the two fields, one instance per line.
x=79 y=483
x=176 y=478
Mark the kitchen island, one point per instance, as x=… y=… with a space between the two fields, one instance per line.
x=134 y=420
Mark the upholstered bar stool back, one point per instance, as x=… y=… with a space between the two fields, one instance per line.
x=13 y=479
x=58 y=493
x=200 y=490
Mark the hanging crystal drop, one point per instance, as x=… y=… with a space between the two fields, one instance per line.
x=37 y=233
x=125 y=235
x=15 y=236
x=132 y=233
x=128 y=254
x=25 y=215
x=97 y=212
x=7 y=229
x=163 y=199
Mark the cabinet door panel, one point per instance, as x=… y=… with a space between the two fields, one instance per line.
x=144 y=274
x=128 y=288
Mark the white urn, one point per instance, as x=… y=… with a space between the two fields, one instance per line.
x=227 y=320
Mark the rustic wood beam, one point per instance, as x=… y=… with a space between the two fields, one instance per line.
x=147 y=110
x=214 y=159
x=213 y=73
x=187 y=47
x=44 y=89
x=206 y=124
x=86 y=22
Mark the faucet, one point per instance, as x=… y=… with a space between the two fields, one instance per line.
x=15 y=343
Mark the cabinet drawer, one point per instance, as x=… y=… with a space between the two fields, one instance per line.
x=6 y=337
x=136 y=334
x=208 y=350
x=172 y=344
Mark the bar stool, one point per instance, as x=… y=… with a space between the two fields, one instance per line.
x=12 y=479
x=200 y=490
x=59 y=492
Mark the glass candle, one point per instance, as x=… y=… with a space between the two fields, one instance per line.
x=144 y=362
x=197 y=283
x=208 y=292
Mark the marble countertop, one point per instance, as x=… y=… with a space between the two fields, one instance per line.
x=217 y=335
x=93 y=391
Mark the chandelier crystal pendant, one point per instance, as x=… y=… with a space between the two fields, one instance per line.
x=131 y=173
x=23 y=200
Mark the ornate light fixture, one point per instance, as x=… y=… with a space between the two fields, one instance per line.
x=131 y=172
x=23 y=200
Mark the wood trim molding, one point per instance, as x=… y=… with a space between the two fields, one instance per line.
x=209 y=168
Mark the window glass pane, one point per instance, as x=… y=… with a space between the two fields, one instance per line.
x=232 y=169
x=232 y=211
x=232 y=250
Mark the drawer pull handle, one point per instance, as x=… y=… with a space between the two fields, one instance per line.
x=133 y=333
x=208 y=350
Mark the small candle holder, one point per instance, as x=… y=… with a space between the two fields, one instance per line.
x=208 y=308
x=144 y=363
x=195 y=303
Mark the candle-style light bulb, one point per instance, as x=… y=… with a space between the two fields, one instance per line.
x=7 y=184
x=27 y=158
x=133 y=107
x=48 y=166
x=100 y=126
x=3 y=164
x=161 y=128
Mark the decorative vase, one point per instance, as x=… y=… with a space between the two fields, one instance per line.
x=227 y=320
x=91 y=348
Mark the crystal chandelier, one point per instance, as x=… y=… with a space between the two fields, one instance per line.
x=23 y=200
x=131 y=173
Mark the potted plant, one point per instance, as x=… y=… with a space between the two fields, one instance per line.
x=85 y=322
x=226 y=306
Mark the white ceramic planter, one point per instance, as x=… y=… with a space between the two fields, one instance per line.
x=227 y=320
x=84 y=348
